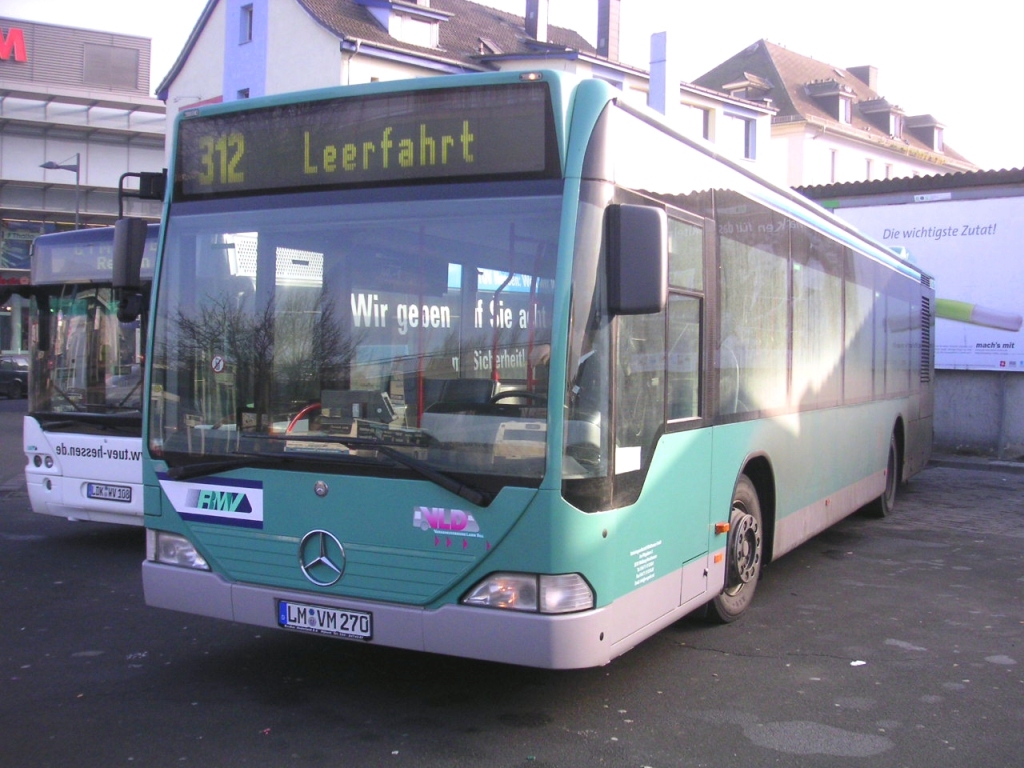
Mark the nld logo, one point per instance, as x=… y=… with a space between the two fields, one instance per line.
x=441 y=519
x=13 y=44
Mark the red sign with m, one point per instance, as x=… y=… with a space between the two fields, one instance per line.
x=13 y=44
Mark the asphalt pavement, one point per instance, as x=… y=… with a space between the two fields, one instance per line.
x=895 y=642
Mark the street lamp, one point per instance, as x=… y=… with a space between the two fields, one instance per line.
x=66 y=166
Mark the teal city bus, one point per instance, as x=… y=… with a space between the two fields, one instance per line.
x=503 y=367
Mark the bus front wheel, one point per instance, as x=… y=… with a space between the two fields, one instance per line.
x=744 y=553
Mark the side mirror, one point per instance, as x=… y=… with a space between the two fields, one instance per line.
x=43 y=326
x=637 y=255
x=129 y=248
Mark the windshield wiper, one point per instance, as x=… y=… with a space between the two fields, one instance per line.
x=187 y=471
x=474 y=495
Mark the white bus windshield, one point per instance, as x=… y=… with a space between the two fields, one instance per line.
x=90 y=362
x=317 y=330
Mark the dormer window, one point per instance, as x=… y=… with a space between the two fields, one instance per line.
x=749 y=87
x=834 y=97
x=884 y=116
x=413 y=31
x=412 y=22
x=927 y=130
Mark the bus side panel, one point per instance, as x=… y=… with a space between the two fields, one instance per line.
x=623 y=550
x=825 y=465
x=111 y=466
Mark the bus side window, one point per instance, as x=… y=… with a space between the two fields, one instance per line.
x=687 y=254
x=640 y=388
x=683 y=357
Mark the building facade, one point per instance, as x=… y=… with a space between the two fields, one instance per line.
x=831 y=124
x=247 y=48
x=75 y=114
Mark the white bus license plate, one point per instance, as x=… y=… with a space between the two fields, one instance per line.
x=109 y=492
x=325 y=621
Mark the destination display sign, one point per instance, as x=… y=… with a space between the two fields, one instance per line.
x=83 y=256
x=479 y=133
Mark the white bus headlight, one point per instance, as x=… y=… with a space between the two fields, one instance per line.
x=171 y=549
x=563 y=593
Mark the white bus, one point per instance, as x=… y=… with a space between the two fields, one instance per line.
x=82 y=432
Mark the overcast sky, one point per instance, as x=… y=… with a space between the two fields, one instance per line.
x=952 y=63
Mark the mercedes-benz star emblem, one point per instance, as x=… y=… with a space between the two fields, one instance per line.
x=322 y=558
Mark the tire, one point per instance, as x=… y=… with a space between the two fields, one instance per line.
x=15 y=392
x=744 y=554
x=883 y=505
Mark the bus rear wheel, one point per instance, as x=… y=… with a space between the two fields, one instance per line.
x=882 y=506
x=744 y=554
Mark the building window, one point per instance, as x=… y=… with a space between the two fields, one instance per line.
x=833 y=171
x=243 y=93
x=750 y=140
x=738 y=136
x=888 y=170
x=869 y=170
x=245 y=25
x=694 y=120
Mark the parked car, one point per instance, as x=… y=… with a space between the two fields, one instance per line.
x=14 y=375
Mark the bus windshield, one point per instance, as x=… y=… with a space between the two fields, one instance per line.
x=318 y=326
x=88 y=361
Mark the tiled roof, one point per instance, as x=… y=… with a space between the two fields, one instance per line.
x=790 y=73
x=469 y=24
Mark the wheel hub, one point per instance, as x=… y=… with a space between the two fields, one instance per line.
x=745 y=549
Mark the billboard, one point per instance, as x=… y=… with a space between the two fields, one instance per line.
x=974 y=248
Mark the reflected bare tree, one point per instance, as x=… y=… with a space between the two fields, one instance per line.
x=269 y=361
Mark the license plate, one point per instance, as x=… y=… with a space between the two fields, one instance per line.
x=109 y=492
x=325 y=621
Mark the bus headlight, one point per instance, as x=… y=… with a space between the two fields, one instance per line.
x=39 y=460
x=171 y=549
x=563 y=593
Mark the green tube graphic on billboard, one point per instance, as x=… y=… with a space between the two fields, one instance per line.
x=975 y=314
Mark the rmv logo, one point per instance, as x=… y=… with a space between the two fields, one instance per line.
x=219 y=501
x=13 y=43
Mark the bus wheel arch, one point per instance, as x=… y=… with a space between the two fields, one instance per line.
x=751 y=518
